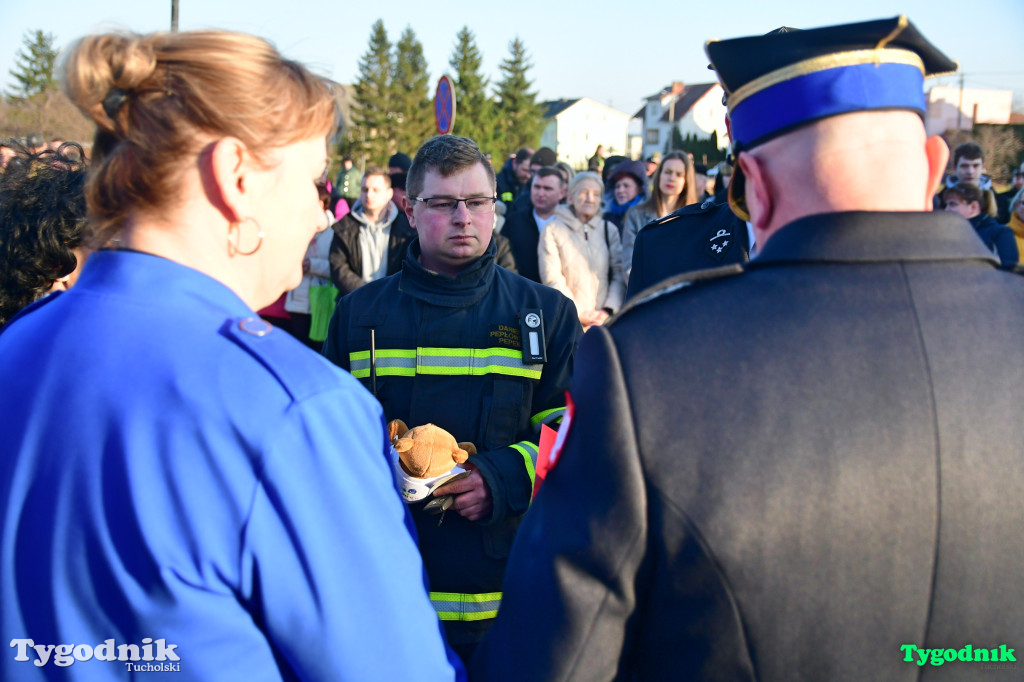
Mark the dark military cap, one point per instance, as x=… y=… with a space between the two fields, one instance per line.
x=788 y=78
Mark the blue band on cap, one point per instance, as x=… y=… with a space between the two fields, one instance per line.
x=805 y=98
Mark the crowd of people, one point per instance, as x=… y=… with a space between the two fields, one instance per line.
x=714 y=429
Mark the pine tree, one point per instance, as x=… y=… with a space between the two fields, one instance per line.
x=409 y=85
x=475 y=114
x=372 y=116
x=34 y=68
x=520 y=118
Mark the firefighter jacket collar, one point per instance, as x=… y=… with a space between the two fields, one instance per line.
x=466 y=289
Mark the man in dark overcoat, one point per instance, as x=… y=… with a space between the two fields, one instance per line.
x=807 y=467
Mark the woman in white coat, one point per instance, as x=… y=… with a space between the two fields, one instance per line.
x=580 y=253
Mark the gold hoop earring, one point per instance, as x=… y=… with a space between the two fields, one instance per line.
x=237 y=229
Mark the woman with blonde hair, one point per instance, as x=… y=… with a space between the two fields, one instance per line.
x=672 y=187
x=172 y=467
x=580 y=254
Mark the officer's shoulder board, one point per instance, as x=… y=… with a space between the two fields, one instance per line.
x=674 y=284
x=299 y=370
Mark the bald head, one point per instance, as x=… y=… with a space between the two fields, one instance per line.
x=864 y=161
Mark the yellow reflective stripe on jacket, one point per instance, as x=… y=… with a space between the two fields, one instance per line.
x=443 y=362
x=548 y=417
x=529 y=451
x=389 y=363
x=456 y=606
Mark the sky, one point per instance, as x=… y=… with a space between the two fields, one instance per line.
x=615 y=52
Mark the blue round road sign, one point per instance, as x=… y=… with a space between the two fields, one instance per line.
x=444 y=105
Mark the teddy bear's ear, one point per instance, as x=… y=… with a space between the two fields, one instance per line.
x=396 y=429
x=469 y=448
x=404 y=444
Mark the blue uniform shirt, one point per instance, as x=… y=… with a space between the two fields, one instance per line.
x=167 y=475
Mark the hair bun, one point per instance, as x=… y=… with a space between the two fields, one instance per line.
x=103 y=64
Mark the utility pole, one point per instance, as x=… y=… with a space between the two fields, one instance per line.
x=174 y=16
x=959 y=106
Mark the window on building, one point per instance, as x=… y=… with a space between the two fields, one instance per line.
x=653 y=136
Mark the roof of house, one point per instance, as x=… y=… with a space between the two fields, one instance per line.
x=554 y=107
x=690 y=95
x=685 y=100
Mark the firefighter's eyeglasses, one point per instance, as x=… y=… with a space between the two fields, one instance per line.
x=451 y=204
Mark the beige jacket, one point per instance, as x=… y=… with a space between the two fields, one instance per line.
x=574 y=258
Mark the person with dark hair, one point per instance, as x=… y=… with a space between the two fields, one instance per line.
x=398 y=170
x=968 y=200
x=459 y=342
x=513 y=176
x=523 y=228
x=370 y=242
x=346 y=184
x=628 y=183
x=171 y=466
x=806 y=467
x=1004 y=199
x=544 y=157
x=42 y=216
x=969 y=164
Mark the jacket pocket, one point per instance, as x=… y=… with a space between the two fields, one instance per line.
x=504 y=413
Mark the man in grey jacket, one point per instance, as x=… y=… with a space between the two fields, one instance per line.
x=371 y=241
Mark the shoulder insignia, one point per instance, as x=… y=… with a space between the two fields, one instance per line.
x=301 y=371
x=673 y=284
x=719 y=240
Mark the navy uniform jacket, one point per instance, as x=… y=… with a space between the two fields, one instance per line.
x=694 y=237
x=448 y=352
x=523 y=237
x=166 y=474
x=820 y=465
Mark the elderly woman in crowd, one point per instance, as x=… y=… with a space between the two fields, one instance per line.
x=580 y=253
x=171 y=466
x=42 y=215
x=672 y=187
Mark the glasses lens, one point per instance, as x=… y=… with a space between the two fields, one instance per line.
x=473 y=204
x=479 y=204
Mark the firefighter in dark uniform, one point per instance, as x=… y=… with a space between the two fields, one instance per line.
x=694 y=237
x=808 y=467
x=479 y=351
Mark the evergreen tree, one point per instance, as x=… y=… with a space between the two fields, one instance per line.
x=34 y=67
x=372 y=116
x=475 y=113
x=520 y=118
x=409 y=86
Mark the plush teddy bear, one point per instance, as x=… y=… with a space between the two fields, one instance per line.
x=427 y=451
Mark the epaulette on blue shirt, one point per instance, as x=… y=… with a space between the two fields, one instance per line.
x=300 y=371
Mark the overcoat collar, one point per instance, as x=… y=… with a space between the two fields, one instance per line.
x=874 y=237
